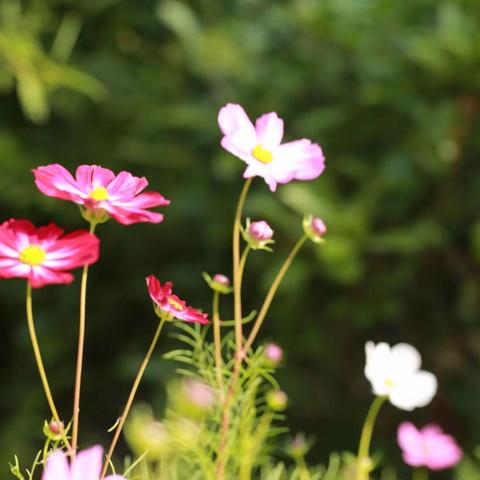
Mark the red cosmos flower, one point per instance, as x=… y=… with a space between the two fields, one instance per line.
x=42 y=255
x=168 y=306
x=101 y=193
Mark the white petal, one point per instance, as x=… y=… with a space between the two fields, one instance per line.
x=414 y=391
x=405 y=358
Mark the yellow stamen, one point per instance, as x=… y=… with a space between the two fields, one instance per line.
x=175 y=304
x=389 y=383
x=33 y=255
x=99 y=194
x=262 y=154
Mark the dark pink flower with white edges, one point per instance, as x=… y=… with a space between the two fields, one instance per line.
x=101 y=194
x=86 y=466
x=168 y=306
x=261 y=149
x=428 y=447
x=44 y=255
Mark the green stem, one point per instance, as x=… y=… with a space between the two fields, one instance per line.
x=271 y=293
x=131 y=397
x=41 y=368
x=217 y=339
x=363 y=466
x=419 y=474
x=80 y=349
x=236 y=267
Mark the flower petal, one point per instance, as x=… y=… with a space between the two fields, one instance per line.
x=56 y=467
x=56 y=181
x=414 y=391
x=269 y=128
x=88 y=464
x=411 y=443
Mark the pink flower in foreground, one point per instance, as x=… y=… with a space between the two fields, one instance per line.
x=260 y=147
x=101 y=193
x=168 y=306
x=86 y=466
x=428 y=447
x=42 y=255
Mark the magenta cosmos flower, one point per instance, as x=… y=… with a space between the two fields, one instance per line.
x=86 y=466
x=168 y=306
x=42 y=255
x=261 y=149
x=101 y=193
x=428 y=447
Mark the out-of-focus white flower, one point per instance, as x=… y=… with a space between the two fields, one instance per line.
x=394 y=372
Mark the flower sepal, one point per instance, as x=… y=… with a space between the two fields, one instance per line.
x=94 y=215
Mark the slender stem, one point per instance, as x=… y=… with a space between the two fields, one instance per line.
x=419 y=474
x=271 y=293
x=217 y=340
x=131 y=397
x=80 y=349
x=41 y=368
x=363 y=461
x=236 y=267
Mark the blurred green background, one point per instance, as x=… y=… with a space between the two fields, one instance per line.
x=391 y=90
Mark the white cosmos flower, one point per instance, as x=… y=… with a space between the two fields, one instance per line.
x=394 y=372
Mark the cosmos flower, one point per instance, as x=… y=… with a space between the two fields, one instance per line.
x=86 y=466
x=43 y=255
x=261 y=149
x=428 y=447
x=101 y=194
x=394 y=372
x=168 y=306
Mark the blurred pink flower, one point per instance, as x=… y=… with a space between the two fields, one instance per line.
x=169 y=306
x=260 y=147
x=101 y=193
x=86 y=466
x=221 y=279
x=273 y=353
x=428 y=447
x=42 y=255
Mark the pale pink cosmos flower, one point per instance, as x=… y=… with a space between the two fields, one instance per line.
x=168 y=306
x=86 y=466
x=261 y=149
x=428 y=447
x=43 y=255
x=101 y=193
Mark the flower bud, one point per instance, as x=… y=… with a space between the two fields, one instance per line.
x=219 y=283
x=54 y=430
x=192 y=398
x=314 y=228
x=273 y=353
x=277 y=400
x=258 y=234
x=299 y=446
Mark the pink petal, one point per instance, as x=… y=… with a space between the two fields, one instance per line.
x=124 y=186
x=88 y=464
x=13 y=268
x=130 y=215
x=56 y=181
x=41 y=276
x=72 y=251
x=269 y=128
x=48 y=235
x=240 y=135
x=56 y=467
x=411 y=442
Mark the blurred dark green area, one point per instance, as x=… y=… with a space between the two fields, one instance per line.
x=391 y=90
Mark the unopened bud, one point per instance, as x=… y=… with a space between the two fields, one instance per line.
x=277 y=400
x=314 y=228
x=54 y=430
x=273 y=353
x=219 y=283
x=258 y=234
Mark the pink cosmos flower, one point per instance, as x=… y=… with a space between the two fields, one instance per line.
x=42 y=255
x=168 y=306
x=101 y=193
x=260 y=147
x=428 y=447
x=86 y=466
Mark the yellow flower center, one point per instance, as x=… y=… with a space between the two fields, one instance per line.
x=33 y=255
x=99 y=194
x=389 y=383
x=175 y=304
x=262 y=154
